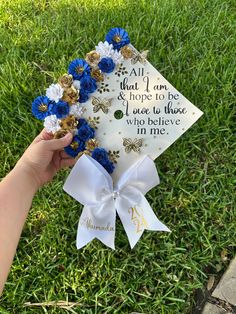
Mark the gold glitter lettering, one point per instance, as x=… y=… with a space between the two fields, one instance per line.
x=137 y=219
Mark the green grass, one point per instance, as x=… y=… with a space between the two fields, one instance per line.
x=192 y=43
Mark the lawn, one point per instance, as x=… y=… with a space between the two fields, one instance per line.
x=192 y=43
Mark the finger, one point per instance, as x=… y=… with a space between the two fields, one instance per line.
x=64 y=155
x=43 y=135
x=67 y=162
x=56 y=144
x=56 y=159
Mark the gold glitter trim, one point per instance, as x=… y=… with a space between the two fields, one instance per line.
x=114 y=155
x=93 y=122
x=103 y=88
x=121 y=70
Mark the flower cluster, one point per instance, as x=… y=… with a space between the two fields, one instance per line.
x=61 y=109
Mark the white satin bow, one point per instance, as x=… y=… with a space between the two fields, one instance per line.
x=91 y=185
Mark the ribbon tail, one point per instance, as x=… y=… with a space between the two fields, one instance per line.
x=83 y=237
x=131 y=225
x=100 y=225
x=129 y=216
x=137 y=215
x=152 y=222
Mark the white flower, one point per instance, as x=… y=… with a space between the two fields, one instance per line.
x=104 y=49
x=116 y=57
x=76 y=84
x=76 y=110
x=52 y=124
x=54 y=92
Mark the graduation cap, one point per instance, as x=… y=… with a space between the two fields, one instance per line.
x=138 y=110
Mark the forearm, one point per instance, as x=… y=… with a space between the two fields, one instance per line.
x=16 y=193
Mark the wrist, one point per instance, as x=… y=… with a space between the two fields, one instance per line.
x=26 y=174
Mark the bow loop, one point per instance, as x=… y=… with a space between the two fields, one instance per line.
x=142 y=175
x=89 y=183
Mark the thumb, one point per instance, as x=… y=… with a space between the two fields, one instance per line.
x=56 y=144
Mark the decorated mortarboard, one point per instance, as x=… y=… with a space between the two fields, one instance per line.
x=123 y=114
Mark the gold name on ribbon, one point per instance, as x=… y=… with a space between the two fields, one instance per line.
x=88 y=223
x=137 y=218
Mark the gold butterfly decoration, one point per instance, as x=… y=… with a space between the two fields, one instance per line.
x=102 y=104
x=139 y=57
x=134 y=145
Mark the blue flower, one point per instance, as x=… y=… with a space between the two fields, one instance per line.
x=75 y=147
x=81 y=122
x=101 y=156
x=88 y=84
x=42 y=107
x=78 y=68
x=106 y=65
x=85 y=132
x=83 y=96
x=109 y=166
x=61 y=109
x=118 y=37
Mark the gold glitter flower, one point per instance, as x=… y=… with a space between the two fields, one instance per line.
x=70 y=95
x=91 y=144
x=97 y=75
x=74 y=145
x=59 y=134
x=127 y=52
x=69 y=123
x=86 y=152
x=92 y=58
x=65 y=80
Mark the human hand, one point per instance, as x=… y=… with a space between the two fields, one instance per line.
x=45 y=156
